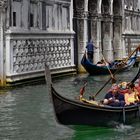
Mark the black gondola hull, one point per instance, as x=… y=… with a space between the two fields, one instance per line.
x=69 y=112
x=93 y=69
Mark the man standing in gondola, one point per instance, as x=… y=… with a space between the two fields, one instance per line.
x=90 y=50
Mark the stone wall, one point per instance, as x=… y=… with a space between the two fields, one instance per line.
x=131 y=32
x=27 y=54
x=38 y=32
x=113 y=25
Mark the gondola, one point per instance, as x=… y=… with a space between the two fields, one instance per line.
x=75 y=112
x=94 y=69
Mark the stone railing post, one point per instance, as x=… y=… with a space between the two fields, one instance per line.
x=3 y=5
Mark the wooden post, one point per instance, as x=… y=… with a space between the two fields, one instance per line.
x=129 y=46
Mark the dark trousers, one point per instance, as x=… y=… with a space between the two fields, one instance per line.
x=90 y=56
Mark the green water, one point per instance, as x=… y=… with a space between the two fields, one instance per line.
x=26 y=113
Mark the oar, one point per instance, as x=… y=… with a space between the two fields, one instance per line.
x=112 y=76
x=136 y=77
x=116 y=72
x=138 y=48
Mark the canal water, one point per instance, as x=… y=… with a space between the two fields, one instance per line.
x=26 y=113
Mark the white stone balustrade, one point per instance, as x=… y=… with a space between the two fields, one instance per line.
x=30 y=55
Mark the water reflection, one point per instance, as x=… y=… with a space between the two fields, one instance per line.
x=121 y=132
x=8 y=122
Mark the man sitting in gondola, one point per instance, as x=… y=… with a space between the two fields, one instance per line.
x=114 y=98
x=101 y=63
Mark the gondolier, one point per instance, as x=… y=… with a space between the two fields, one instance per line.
x=90 y=50
x=94 y=69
